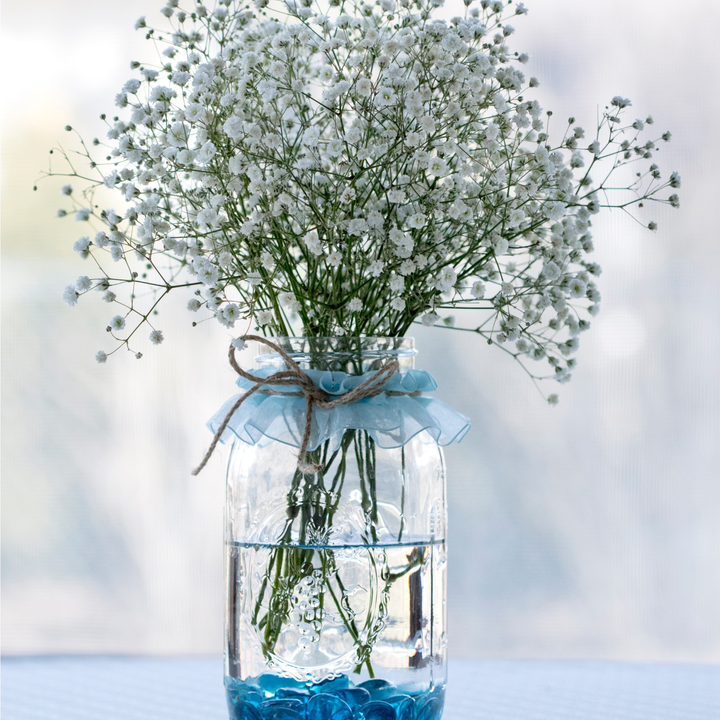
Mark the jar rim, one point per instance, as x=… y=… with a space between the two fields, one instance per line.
x=303 y=349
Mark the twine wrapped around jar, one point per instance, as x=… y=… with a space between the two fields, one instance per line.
x=314 y=396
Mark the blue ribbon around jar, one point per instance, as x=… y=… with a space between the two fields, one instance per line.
x=392 y=418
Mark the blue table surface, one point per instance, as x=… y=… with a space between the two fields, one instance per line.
x=133 y=688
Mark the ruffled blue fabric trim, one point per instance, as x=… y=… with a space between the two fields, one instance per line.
x=391 y=420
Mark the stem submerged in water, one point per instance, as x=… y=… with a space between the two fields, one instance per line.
x=304 y=545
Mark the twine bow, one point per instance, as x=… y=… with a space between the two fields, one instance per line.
x=314 y=396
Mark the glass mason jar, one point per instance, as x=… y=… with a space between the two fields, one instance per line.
x=335 y=605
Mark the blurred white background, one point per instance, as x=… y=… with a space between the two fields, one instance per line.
x=590 y=530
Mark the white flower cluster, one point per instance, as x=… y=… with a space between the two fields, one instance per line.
x=353 y=171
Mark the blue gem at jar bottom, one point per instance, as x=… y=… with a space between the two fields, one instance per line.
x=275 y=698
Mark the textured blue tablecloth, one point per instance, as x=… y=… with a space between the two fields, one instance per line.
x=115 y=688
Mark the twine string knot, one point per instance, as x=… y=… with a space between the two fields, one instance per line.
x=315 y=397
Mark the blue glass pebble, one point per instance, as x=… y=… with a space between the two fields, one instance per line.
x=284 y=703
x=378 y=710
x=404 y=706
x=237 y=688
x=379 y=689
x=282 y=713
x=324 y=706
x=244 y=711
x=293 y=693
x=429 y=709
x=272 y=683
x=328 y=686
x=354 y=697
x=254 y=697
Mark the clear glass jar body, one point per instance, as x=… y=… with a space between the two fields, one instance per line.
x=335 y=605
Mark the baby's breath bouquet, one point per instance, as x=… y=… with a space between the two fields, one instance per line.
x=330 y=175
x=350 y=169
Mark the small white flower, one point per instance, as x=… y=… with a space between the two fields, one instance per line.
x=109 y=296
x=334 y=258
x=276 y=68
x=287 y=299
x=272 y=141
x=357 y=227
x=228 y=315
x=551 y=271
x=226 y=260
x=83 y=283
x=427 y=124
x=194 y=305
x=355 y=305
x=516 y=217
x=185 y=157
x=267 y=261
x=70 y=295
x=555 y=211
x=385 y=96
x=206 y=153
x=422 y=157
x=620 y=102
x=446 y=280
x=413 y=139
x=353 y=135
x=375 y=220
x=416 y=221
x=101 y=357
x=83 y=215
x=117 y=323
x=478 y=289
x=376 y=268
x=82 y=246
x=195 y=112
x=156 y=337
x=264 y=317
x=577 y=288
x=398 y=236
x=347 y=195
x=407 y=267
x=180 y=78
x=507 y=289
x=116 y=252
x=254 y=278
x=239 y=344
x=207 y=218
x=452 y=43
x=500 y=246
x=437 y=167
x=234 y=127
x=66 y=190
x=429 y=319
x=553 y=399
x=311 y=137
x=363 y=87
x=397 y=304
x=207 y=273
x=397 y=283
x=312 y=242
x=235 y=164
